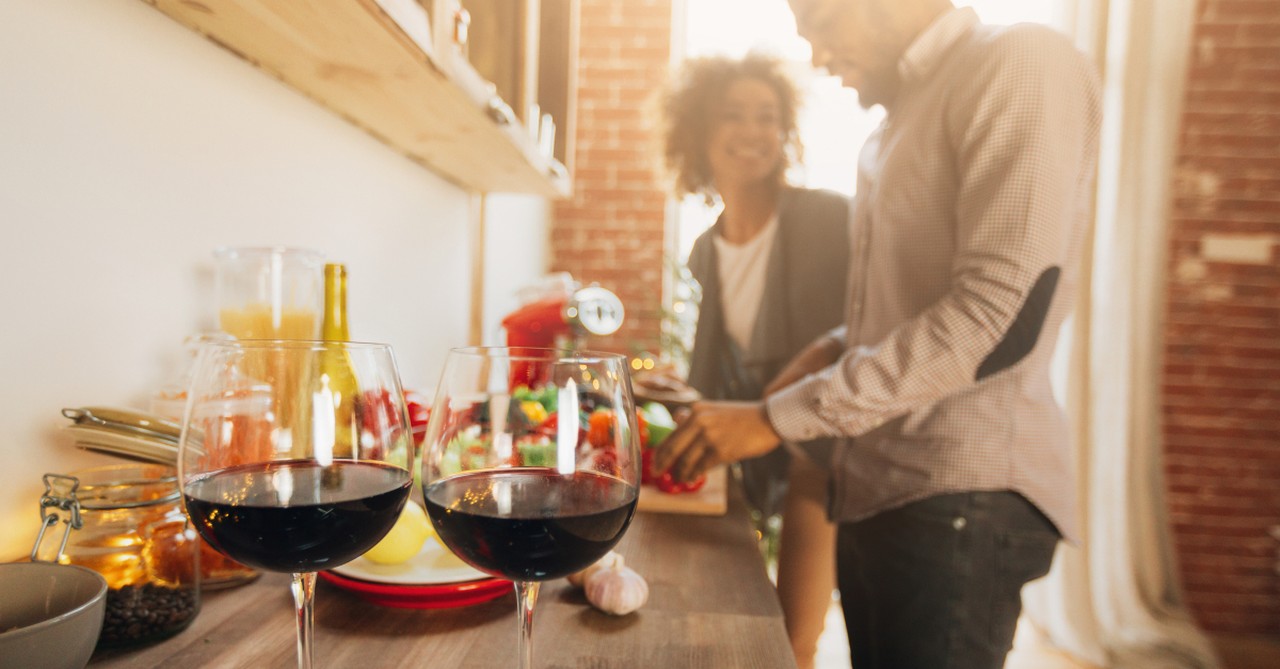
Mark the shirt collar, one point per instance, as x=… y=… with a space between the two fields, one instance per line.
x=926 y=51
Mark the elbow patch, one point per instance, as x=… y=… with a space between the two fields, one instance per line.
x=1025 y=329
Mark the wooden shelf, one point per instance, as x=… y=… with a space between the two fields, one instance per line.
x=354 y=59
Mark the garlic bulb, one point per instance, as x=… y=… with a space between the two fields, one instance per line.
x=617 y=590
x=610 y=559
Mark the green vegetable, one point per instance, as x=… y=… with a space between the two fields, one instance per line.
x=546 y=396
x=538 y=453
x=659 y=420
x=467 y=450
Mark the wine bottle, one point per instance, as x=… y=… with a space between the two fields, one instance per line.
x=337 y=377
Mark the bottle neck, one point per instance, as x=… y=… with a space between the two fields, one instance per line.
x=334 y=325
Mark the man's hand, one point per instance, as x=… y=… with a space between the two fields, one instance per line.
x=714 y=433
x=822 y=352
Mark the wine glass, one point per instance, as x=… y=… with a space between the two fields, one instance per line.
x=531 y=464
x=294 y=456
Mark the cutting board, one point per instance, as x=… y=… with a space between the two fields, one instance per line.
x=710 y=500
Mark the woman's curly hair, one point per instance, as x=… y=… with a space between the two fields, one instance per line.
x=689 y=107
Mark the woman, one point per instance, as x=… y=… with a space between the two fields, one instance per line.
x=773 y=270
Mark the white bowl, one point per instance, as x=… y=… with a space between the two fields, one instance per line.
x=50 y=614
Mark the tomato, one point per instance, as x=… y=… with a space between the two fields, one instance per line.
x=600 y=428
x=696 y=484
x=669 y=485
x=646 y=466
x=606 y=462
x=549 y=425
x=551 y=428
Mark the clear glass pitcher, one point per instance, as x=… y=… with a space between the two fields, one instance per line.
x=269 y=292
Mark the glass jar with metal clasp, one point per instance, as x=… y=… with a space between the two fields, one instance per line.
x=127 y=523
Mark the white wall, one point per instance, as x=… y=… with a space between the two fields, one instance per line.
x=130 y=148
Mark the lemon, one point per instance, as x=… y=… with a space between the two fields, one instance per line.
x=411 y=531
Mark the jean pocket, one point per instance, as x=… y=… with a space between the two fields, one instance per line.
x=1021 y=557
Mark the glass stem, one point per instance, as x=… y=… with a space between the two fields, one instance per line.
x=304 y=590
x=526 y=598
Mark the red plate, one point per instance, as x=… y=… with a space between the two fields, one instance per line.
x=445 y=596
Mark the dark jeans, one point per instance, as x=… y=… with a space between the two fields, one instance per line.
x=937 y=584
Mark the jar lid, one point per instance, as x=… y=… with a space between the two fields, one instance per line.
x=126 y=486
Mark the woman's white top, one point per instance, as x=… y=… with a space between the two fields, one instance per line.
x=742 y=276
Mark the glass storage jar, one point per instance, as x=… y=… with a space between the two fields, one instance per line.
x=136 y=535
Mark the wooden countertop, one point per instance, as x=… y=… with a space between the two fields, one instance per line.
x=710 y=605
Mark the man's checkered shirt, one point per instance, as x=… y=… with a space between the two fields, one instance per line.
x=974 y=197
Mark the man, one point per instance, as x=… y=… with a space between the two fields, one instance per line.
x=972 y=205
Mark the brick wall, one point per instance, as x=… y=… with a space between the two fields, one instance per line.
x=611 y=230
x=1222 y=344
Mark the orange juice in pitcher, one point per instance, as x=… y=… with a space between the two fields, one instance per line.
x=264 y=321
x=271 y=293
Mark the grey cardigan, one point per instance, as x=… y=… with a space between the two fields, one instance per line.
x=804 y=296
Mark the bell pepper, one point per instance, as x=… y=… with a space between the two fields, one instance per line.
x=419 y=415
x=534 y=410
x=546 y=396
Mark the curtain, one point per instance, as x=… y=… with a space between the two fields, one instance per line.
x=1114 y=599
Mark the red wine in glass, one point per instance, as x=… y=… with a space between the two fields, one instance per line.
x=294 y=456
x=531 y=464
x=297 y=516
x=530 y=524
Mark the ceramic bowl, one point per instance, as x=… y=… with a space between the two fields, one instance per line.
x=50 y=614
